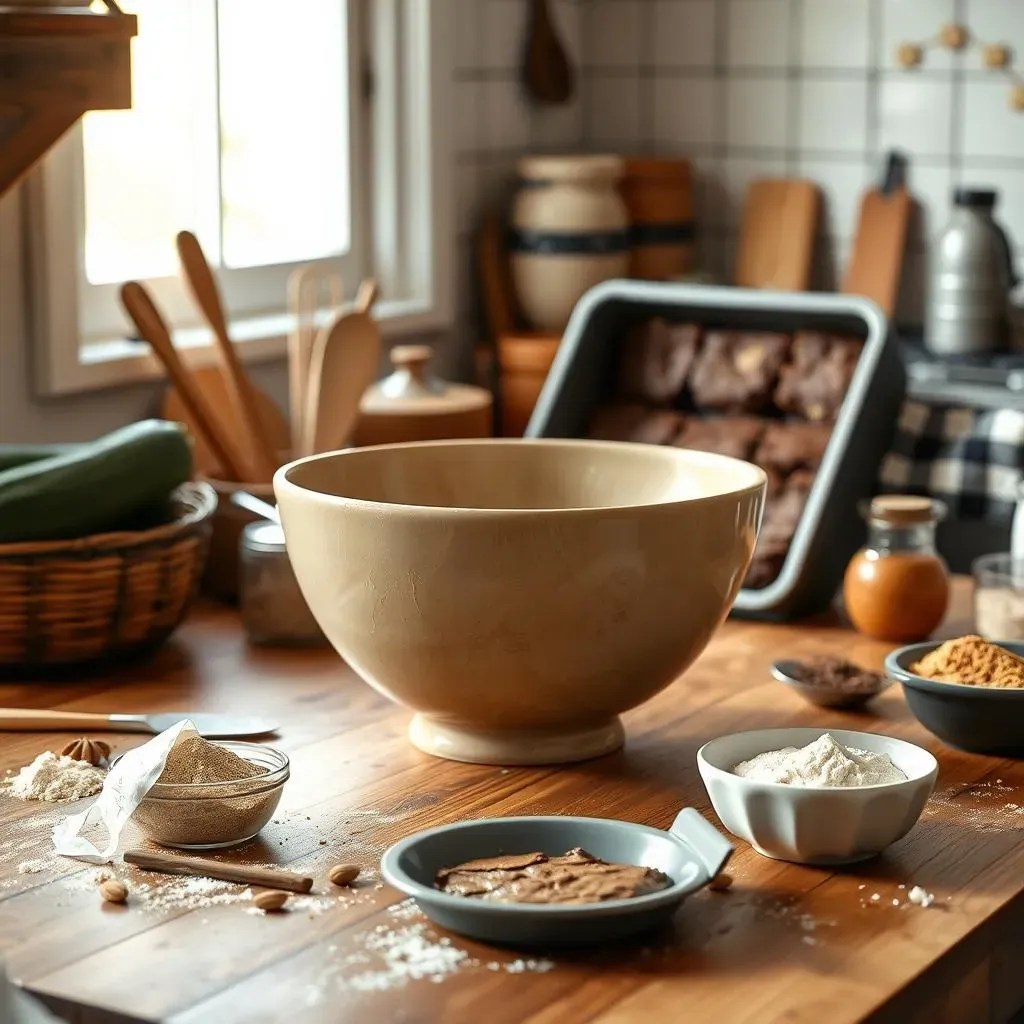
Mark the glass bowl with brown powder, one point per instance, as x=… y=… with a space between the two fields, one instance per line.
x=212 y=795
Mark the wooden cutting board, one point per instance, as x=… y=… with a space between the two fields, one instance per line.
x=776 y=247
x=210 y=381
x=876 y=265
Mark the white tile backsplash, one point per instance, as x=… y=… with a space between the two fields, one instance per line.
x=757 y=34
x=842 y=184
x=835 y=34
x=464 y=116
x=467 y=34
x=994 y=21
x=507 y=114
x=748 y=89
x=915 y=114
x=503 y=27
x=834 y=115
x=612 y=32
x=737 y=174
x=756 y=112
x=990 y=128
x=687 y=113
x=931 y=187
x=915 y=21
x=612 y=111
x=684 y=33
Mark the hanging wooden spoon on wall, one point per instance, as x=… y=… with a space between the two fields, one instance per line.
x=546 y=70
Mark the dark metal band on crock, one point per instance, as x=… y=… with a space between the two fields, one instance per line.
x=678 y=233
x=599 y=243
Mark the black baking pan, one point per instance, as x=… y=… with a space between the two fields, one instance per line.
x=830 y=531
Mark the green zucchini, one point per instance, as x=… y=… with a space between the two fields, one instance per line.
x=95 y=487
x=14 y=455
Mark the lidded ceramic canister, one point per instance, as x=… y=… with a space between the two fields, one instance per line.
x=413 y=405
x=570 y=231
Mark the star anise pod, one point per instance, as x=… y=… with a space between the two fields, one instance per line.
x=85 y=749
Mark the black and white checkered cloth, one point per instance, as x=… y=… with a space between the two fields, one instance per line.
x=972 y=459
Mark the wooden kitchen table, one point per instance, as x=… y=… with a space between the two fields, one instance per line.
x=786 y=943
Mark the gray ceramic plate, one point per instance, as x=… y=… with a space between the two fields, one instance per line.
x=691 y=853
x=979 y=719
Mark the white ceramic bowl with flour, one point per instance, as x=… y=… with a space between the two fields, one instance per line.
x=815 y=824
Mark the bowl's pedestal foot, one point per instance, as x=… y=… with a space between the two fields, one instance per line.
x=529 y=746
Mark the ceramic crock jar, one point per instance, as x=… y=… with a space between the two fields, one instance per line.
x=413 y=405
x=896 y=587
x=570 y=231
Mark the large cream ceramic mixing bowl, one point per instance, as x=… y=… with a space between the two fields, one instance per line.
x=519 y=595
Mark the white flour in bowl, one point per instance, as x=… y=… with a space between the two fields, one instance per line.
x=823 y=763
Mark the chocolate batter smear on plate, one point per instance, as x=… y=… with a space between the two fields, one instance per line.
x=575 y=877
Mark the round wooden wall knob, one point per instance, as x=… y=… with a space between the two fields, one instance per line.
x=954 y=36
x=1017 y=97
x=995 y=55
x=909 y=55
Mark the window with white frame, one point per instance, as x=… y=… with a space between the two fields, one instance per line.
x=255 y=126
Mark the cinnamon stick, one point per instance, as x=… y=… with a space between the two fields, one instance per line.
x=172 y=864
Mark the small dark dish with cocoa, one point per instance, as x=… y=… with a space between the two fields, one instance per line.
x=829 y=682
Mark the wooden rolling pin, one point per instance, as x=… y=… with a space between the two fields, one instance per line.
x=245 y=874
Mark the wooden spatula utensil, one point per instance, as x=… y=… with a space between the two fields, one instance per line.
x=547 y=74
x=776 y=247
x=307 y=287
x=876 y=265
x=150 y=324
x=247 y=421
x=345 y=361
x=214 y=389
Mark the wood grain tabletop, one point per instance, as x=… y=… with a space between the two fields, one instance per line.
x=785 y=943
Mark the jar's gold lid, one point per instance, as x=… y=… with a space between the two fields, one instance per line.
x=904 y=509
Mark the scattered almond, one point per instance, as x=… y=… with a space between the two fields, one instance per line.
x=270 y=899
x=85 y=749
x=113 y=891
x=720 y=882
x=343 y=874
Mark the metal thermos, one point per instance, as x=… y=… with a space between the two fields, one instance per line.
x=970 y=280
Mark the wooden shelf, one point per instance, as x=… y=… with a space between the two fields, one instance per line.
x=55 y=64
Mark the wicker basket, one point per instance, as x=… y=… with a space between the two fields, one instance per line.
x=106 y=597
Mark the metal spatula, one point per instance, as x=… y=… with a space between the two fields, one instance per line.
x=211 y=726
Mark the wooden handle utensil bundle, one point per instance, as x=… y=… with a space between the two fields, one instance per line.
x=140 y=307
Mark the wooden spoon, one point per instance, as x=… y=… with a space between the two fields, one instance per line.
x=546 y=72
x=248 y=422
x=150 y=324
x=346 y=356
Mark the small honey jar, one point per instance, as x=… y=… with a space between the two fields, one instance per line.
x=896 y=587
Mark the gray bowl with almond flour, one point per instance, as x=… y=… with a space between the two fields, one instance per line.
x=691 y=853
x=979 y=719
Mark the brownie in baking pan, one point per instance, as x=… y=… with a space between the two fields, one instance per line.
x=764 y=569
x=782 y=512
x=788 y=446
x=738 y=371
x=656 y=360
x=634 y=422
x=737 y=436
x=815 y=381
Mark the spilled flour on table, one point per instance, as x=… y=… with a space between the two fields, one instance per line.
x=391 y=956
x=982 y=806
